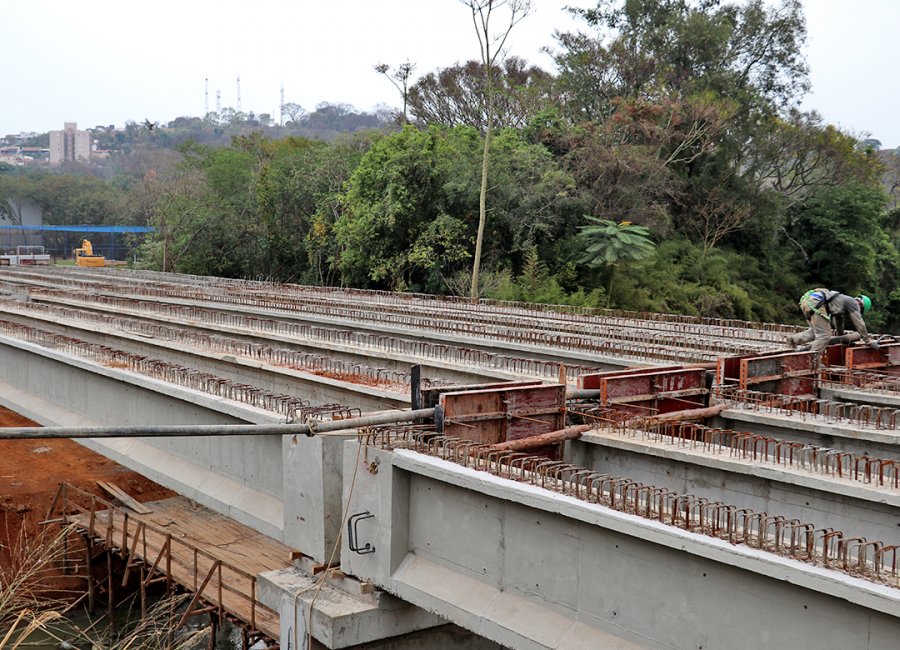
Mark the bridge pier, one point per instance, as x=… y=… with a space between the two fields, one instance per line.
x=333 y=611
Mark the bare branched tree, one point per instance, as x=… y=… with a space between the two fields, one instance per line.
x=400 y=79
x=491 y=46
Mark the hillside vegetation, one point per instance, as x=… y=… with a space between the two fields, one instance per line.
x=665 y=165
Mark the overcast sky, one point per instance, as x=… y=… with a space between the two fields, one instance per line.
x=107 y=61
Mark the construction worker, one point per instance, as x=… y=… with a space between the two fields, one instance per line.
x=827 y=311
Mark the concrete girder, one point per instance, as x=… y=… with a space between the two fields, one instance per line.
x=854 y=507
x=529 y=568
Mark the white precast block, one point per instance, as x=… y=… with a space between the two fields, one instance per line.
x=312 y=474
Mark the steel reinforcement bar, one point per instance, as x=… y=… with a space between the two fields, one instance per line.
x=398 y=381
x=157 y=283
x=763 y=449
x=375 y=343
x=809 y=407
x=291 y=407
x=619 y=344
x=871 y=560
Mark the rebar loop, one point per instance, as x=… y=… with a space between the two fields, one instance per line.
x=808 y=407
x=792 y=538
x=866 y=380
x=398 y=381
x=763 y=449
x=623 y=334
x=285 y=405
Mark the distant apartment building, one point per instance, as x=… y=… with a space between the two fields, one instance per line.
x=69 y=145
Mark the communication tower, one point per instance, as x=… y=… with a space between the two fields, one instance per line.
x=238 y=94
x=206 y=97
x=281 y=105
x=219 y=102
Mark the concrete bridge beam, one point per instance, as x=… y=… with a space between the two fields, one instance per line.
x=528 y=568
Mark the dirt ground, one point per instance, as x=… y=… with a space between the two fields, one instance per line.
x=31 y=471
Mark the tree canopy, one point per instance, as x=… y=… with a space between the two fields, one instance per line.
x=664 y=165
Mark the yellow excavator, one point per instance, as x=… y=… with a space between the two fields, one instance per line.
x=84 y=256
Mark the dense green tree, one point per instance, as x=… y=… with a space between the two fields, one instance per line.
x=839 y=233
x=68 y=199
x=393 y=210
x=748 y=52
x=299 y=199
x=797 y=154
x=682 y=278
x=410 y=207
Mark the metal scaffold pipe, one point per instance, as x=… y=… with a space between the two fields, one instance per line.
x=582 y=393
x=311 y=428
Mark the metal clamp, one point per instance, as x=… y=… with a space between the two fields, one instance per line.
x=353 y=535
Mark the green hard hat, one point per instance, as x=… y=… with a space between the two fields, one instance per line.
x=866 y=302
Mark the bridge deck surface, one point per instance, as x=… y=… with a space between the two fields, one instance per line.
x=198 y=539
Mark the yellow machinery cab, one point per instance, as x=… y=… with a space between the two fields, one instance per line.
x=84 y=256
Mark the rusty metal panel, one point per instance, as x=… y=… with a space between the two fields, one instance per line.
x=475 y=415
x=591 y=380
x=790 y=373
x=728 y=370
x=537 y=410
x=862 y=357
x=834 y=355
x=660 y=391
x=431 y=395
x=504 y=413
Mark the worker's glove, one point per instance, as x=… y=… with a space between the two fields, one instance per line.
x=873 y=344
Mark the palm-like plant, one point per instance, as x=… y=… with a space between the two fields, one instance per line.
x=609 y=243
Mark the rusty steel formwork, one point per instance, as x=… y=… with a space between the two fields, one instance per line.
x=868 y=559
x=502 y=413
x=886 y=358
x=795 y=373
x=785 y=373
x=648 y=391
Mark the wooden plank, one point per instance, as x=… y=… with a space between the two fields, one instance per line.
x=118 y=493
x=243 y=553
